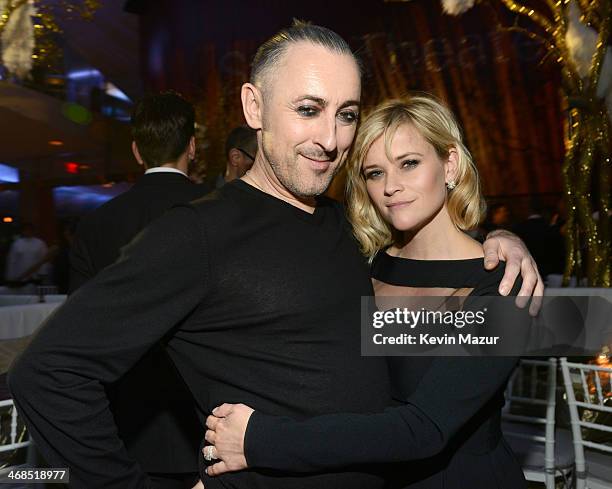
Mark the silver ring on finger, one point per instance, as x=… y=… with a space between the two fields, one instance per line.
x=209 y=453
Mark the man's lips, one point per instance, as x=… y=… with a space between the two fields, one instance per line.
x=318 y=164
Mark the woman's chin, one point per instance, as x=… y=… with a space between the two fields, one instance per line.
x=404 y=225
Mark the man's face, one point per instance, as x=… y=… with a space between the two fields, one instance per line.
x=309 y=117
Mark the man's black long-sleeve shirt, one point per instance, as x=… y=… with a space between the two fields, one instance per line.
x=267 y=302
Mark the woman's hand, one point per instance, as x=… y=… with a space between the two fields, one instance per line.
x=199 y=485
x=226 y=429
x=504 y=245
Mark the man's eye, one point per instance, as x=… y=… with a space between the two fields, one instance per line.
x=348 y=116
x=307 y=111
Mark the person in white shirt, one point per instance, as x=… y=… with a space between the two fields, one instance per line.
x=26 y=251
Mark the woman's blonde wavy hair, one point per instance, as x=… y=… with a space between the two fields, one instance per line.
x=436 y=123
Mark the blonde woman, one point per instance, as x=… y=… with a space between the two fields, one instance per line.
x=413 y=190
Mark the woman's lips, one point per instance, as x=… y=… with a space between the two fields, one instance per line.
x=395 y=205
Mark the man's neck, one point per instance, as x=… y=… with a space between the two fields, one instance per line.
x=230 y=174
x=262 y=177
x=165 y=169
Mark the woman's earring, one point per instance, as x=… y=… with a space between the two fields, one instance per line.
x=451 y=185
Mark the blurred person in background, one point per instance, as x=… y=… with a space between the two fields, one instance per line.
x=153 y=409
x=499 y=217
x=240 y=149
x=26 y=252
x=60 y=275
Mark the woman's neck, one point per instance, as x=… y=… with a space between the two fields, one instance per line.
x=437 y=240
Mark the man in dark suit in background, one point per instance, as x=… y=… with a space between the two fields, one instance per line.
x=152 y=407
x=240 y=149
x=544 y=241
x=164 y=143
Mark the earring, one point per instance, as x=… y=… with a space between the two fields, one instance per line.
x=451 y=184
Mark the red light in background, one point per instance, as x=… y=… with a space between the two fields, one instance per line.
x=71 y=167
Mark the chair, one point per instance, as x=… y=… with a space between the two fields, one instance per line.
x=12 y=437
x=589 y=396
x=543 y=450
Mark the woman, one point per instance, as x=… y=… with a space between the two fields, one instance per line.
x=412 y=191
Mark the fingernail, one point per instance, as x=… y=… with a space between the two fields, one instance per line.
x=214 y=411
x=206 y=470
x=503 y=289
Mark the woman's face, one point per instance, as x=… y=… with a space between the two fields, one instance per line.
x=408 y=190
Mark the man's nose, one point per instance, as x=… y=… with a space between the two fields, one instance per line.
x=326 y=136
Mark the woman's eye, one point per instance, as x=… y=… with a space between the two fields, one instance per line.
x=410 y=163
x=307 y=111
x=348 y=116
x=373 y=174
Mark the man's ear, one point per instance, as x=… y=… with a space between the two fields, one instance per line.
x=452 y=165
x=137 y=154
x=191 y=148
x=234 y=157
x=252 y=105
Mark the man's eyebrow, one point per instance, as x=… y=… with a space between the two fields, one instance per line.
x=321 y=101
x=350 y=103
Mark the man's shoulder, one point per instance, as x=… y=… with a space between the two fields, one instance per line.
x=218 y=201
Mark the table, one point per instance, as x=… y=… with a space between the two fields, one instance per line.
x=17 y=323
x=17 y=299
x=22 y=320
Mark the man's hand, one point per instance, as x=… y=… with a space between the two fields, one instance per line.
x=504 y=245
x=226 y=429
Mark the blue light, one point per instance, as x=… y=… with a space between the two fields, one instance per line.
x=113 y=91
x=8 y=174
x=81 y=74
x=77 y=200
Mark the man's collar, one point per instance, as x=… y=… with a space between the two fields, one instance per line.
x=164 y=169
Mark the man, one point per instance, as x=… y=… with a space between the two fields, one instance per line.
x=499 y=217
x=164 y=144
x=240 y=149
x=153 y=410
x=544 y=241
x=25 y=252
x=267 y=289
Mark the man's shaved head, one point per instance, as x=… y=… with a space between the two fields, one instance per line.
x=270 y=53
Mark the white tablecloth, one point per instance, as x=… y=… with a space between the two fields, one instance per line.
x=22 y=320
x=14 y=300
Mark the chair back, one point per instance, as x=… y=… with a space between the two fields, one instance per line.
x=589 y=395
x=531 y=401
x=12 y=432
